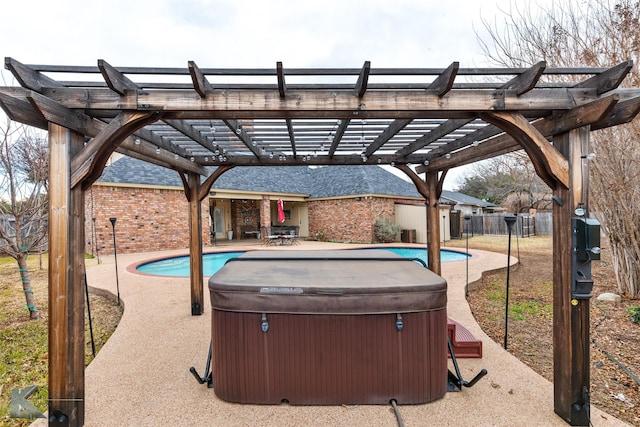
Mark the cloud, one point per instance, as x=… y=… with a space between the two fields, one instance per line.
x=242 y=33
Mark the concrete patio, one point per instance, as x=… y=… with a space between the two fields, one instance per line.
x=141 y=376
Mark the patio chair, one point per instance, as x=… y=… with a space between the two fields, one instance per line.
x=267 y=238
x=293 y=239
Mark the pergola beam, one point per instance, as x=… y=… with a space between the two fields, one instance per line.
x=391 y=130
x=608 y=80
x=29 y=78
x=322 y=103
x=187 y=130
x=444 y=82
x=526 y=81
x=320 y=160
x=242 y=135
x=363 y=79
x=292 y=137
x=78 y=122
x=200 y=82
x=136 y=155
x=472 y=138
x=160 y=150
x=622 y=112
x=87 y=166
x=594 y=112
x=437 y=133
x=117 y=82
x=22 y=111
x=337 y=137
x=550 y=165
x=57 y=113
x=282 y=85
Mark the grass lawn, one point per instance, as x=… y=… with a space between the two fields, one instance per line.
x=615 y=339
x=24 y=348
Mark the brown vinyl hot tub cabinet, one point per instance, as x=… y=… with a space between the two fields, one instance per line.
x=328 y=327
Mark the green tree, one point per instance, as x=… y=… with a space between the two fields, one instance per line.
x=598 y=33
x=509 y=181
x=23 y=188
x=475 y=186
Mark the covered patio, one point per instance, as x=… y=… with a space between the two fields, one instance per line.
x=417 y=120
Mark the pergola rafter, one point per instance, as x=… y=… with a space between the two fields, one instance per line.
x=421 y=120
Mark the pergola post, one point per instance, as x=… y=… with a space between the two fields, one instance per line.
x=195 y=245
x=196 y=192
x=433 y=223
x=570 y=316
x=66 y=282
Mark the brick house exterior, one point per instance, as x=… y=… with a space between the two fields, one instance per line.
x=147 y=219
x=351 y=219
x=340 y=203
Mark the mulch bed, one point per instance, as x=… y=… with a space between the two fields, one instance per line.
x=615 y=349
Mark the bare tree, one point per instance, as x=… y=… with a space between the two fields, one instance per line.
x=509 y=181
x=23 y=208
x=598 y=33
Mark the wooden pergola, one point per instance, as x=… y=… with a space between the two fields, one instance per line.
x=422 y=121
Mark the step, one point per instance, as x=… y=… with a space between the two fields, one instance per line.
x=465 y=345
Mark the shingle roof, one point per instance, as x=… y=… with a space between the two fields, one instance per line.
x=465 y=200
x=335 y=181
x=320 y=182
x=272 y=179
x=131 y=171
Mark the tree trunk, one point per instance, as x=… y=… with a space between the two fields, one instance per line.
x=26 y=287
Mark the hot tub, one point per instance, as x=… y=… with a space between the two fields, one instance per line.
x=328 y=327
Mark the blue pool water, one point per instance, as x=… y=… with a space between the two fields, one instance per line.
x=421 y=253
x=179 y=266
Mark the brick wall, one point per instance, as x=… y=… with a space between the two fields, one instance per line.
x=147 y=219
x=348 y=220
x=157 y=219
x=245 y=216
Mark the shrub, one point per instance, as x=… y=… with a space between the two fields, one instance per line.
x=634 y=312
x=386 y=231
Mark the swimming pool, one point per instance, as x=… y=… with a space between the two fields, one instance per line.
x=179 y=266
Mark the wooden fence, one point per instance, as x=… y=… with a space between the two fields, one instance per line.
x=494 y=224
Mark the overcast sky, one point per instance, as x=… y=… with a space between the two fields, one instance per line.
x=247 y=33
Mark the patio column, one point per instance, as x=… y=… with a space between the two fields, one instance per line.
x=195 y=245
x=66 y=282
x=265 y=212
x=571 y=368
x=433 y=223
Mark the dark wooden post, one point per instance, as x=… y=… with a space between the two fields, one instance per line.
x=195 y=193
x=195 y=245
x=66 y=282
x=570 y=316
x=433 y=223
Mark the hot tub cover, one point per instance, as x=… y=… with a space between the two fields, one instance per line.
x=326 y=282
